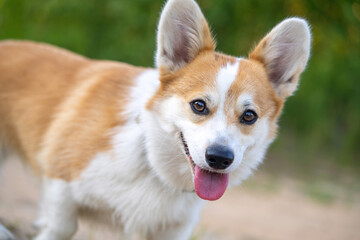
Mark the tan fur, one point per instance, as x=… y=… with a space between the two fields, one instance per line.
x=73 y=101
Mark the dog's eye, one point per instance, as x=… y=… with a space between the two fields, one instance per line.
x=248 y=117
x=199 y=107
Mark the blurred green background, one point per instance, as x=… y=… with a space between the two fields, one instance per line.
x=320 y=127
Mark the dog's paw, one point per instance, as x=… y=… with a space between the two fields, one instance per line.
x=5 y=234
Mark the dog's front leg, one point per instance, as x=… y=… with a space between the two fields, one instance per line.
x=60 y=218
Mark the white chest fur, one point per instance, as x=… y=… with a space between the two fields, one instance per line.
x=121 y=182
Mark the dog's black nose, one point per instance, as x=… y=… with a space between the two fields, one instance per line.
x=219 y=156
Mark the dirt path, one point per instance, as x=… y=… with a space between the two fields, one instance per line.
x=242 y=214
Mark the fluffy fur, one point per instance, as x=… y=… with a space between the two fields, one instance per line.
x=119 y=144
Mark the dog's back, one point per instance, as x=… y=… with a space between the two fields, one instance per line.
x=45 y=87
x=25 y=70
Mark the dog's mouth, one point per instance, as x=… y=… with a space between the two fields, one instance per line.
x=208 y=185
x=187 y=153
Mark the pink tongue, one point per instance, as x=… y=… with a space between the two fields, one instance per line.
x=208 y=185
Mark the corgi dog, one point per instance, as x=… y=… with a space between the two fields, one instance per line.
x=137 y=148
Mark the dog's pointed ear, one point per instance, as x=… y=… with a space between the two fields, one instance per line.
x=182 y=34
x=285 y=52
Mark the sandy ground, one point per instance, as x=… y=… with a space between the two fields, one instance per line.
x=244 y=213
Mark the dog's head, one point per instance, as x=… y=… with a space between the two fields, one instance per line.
x=223 y=110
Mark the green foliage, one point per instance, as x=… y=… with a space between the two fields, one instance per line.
x=325 y=114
